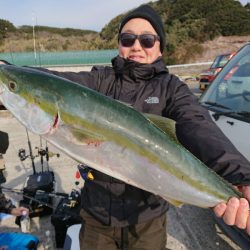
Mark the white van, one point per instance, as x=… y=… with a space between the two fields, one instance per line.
x=228 y=100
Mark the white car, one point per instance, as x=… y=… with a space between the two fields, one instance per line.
x=228 y=100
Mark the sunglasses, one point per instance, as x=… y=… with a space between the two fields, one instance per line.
x=146 y=40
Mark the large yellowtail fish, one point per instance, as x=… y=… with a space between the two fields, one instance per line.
x=110 y=137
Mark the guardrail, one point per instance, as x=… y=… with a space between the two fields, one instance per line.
x=190 y=69
x=189 y=65
x=178 y=69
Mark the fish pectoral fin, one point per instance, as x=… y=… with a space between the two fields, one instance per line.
x=165 y=124
x=175 y=202
x=86 y=137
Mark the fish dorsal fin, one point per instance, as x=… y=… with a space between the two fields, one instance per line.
x=165 y=124
x=125 y=103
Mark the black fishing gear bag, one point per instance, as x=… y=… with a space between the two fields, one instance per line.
x=36 y=193
x=66 y=214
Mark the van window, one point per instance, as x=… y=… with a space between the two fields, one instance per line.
x=231 y=88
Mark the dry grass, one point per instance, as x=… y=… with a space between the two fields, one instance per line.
x=46 y=41
x=220 y=45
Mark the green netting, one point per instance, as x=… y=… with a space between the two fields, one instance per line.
x=59 y=58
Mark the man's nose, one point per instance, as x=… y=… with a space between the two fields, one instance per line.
x=137 y=44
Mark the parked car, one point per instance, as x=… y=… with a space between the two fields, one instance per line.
x=207 y=76
x=228 y=102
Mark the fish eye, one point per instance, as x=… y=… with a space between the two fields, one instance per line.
x=12 y=86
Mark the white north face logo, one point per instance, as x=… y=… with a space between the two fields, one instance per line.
x=153 y=99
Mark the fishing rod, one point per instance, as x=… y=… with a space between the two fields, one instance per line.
x=20 y=192
x=74 y=195
x=22 y=154
x=31 y=154
x=44 y=152
x=41 y=152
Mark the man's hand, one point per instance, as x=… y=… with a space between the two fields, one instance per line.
x=236 y=211
x=19 y=211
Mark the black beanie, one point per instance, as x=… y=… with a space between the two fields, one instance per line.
x=146 y=12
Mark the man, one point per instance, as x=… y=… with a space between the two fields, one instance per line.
x=9 y=240
x=6 y=206
x=120 y=216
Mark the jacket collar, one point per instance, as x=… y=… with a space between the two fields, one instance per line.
x=138 y=71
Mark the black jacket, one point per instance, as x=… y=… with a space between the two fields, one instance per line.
x=5 y=204
x=4 y=142
x=151 y=89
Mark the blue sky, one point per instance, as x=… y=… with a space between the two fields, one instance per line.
x=82 y=14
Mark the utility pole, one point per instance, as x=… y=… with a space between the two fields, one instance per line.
x=34 y=35
x=10 y=48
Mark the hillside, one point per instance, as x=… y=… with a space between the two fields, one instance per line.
x=188 y=24
x=195 y=30
x=219 y=45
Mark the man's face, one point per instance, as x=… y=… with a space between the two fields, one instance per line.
x=137 y=52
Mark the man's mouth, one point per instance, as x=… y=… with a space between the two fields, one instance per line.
x=136 y=58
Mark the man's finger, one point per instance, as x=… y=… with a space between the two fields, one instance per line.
x=248 y=225
x=229 y=216
x=242 y=214
x=220 y=209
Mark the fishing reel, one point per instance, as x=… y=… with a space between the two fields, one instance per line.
x=74 y=195
x=73 y=199
x=41 y=151
x=22 y=154
x=44 y=152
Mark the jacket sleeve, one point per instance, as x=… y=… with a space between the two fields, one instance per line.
x=90 y=79
x=5 y=205
x=201 y=136
x=100 y=78
x=4 y=142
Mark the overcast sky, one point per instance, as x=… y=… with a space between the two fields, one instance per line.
x=82 y=14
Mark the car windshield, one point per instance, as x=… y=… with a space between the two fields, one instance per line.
x=220 y=61
x=230 y=91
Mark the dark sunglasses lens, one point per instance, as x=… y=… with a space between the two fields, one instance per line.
x=147 y=41
x=127 y=40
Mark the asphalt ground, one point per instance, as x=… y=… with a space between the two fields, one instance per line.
x=188 y=227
